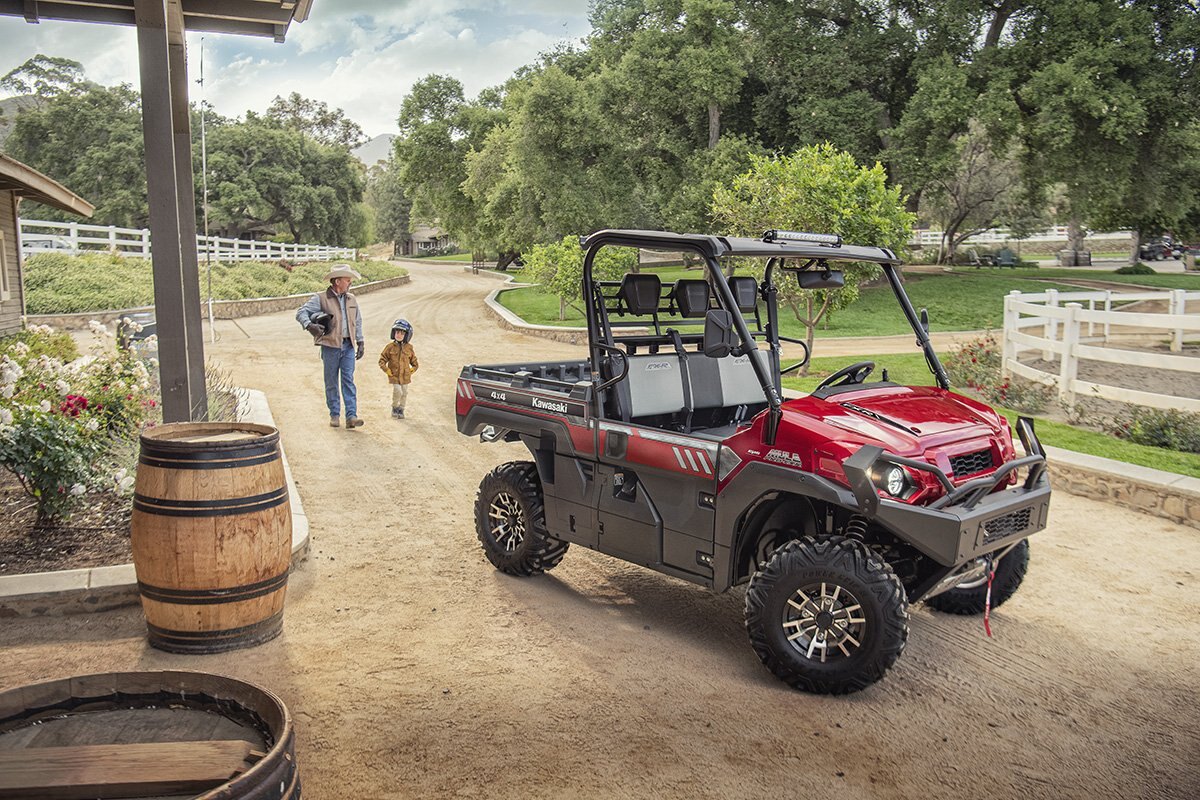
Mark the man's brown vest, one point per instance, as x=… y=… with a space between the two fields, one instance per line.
x=331 y=306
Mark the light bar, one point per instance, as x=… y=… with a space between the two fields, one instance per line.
x=800 y=236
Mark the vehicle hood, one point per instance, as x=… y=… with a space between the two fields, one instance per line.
x=902 y=419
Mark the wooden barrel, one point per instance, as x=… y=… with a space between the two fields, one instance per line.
x=212 y=535
x=136 y=734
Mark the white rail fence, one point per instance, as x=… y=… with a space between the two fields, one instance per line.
x=38 y=236
x=1072 y=324
x=931 y=238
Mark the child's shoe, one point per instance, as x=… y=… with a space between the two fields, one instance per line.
x=397 y=413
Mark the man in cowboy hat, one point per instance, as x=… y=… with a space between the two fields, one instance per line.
x=340 y=338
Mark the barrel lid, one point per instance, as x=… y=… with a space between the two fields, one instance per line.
x=187 y=435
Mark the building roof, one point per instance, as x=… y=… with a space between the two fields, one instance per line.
x=27 y=182
x=253 y=17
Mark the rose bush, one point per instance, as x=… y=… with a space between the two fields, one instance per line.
x=64 y=417
x=976 y=365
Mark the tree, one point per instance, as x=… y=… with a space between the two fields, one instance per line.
x=315 y=118
x=263 y=175
x=385 y=194
x=44 y=78
x=90 y=140
x=818 y=189
x=558 y=267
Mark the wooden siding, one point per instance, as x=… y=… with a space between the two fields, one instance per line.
x=11 y=308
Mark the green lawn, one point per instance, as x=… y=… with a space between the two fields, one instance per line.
x=956 y=302
x=910 y=369
x=452 y=257
x=1172 y=280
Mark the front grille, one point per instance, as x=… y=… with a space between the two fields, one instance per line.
x=970 y=463
x=1010 y=523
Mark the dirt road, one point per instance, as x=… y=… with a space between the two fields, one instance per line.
x=416 y=670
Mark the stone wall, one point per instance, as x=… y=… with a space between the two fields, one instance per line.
x=1166 y=495
x=222 y=309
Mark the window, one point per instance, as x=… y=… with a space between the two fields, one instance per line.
x=5 y=291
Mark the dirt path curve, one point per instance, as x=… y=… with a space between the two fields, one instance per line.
x=416 y=670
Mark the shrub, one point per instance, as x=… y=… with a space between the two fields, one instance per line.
x=977 y=365
x=61 y=420
x=1135 y=269
x=60 y=284
x=1168 y=428
x=55 y=345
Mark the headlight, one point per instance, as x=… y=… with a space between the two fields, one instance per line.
x=892 y=479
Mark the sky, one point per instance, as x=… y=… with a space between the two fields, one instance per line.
x=358 y=55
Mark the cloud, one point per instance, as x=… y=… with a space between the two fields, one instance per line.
x=358 y=55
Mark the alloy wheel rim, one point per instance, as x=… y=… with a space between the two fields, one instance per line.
x=823 y=620
x=507 y=522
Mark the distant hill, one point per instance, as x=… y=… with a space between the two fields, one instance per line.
x=9 y=108
x=377 y=149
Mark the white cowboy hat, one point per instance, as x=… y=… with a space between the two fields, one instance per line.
x=342 y=271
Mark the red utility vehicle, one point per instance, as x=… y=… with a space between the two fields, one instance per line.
x=670 y=447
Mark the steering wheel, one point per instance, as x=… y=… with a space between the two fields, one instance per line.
x=846 y=376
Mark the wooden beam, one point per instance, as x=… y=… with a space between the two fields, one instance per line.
x=172 y=215
x=31 y=12
x=121 y=770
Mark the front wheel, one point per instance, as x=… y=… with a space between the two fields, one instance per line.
x=970 y=597
x=510 y=520
x=827 y=615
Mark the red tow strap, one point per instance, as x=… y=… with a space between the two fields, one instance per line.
x=987 y=602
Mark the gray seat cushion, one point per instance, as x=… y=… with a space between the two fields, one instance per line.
x=655 y=385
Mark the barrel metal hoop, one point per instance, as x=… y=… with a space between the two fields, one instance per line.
x=228 y=594
x=202 y=637
x=212 y=454
x=210 y=508
x=182 y=464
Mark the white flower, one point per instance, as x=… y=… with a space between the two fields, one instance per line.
x=120 y=474
x=62 y=386
x=6 y=391
x=20 y=348
x=44 y=406
x=6 y=417
x=78 y=489
x=93 y=425
x=125 y=484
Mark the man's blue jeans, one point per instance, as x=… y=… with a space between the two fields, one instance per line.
x=339 y=367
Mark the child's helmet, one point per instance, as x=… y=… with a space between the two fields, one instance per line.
x=402 y=325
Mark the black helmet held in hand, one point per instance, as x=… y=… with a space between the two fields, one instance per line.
x=322 y=319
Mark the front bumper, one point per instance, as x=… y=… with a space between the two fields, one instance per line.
x=970 y=520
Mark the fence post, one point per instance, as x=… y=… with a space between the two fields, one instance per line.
x=1050 y=331
x=1069 y=366
x=1009 y=349
x=1178 y=306
x=1107 y=311
x=1091 y=324
x=73 y=230
x=145 y=242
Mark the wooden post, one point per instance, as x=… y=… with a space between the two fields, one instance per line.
x=1069 y=365
x=73 y=230
x=1107 y=311
x=1050 y=331
x=1178 y=306
x=1009 y=349
x=167 y=136
x=145 y=242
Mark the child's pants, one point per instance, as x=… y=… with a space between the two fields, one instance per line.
x=399 y=395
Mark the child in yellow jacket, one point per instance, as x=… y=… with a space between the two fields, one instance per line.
x=399 y=361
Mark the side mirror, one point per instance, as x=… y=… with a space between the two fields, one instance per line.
x=718 y=333
x=925 y=319
x=825 y=279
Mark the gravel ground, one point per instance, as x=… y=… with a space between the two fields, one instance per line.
x=414 y=669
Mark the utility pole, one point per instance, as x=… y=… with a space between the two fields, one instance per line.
x=212 y=330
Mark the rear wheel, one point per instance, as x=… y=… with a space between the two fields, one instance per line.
x=970 y=597
x=827 y=615
x=510 y=521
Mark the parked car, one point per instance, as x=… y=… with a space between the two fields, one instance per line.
x=37 y=242
x=1161 y=249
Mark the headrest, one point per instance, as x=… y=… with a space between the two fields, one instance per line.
x=745 y=292
x=692 y=297
x=641 y=292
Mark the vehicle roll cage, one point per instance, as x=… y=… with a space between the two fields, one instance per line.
x=816 y=250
